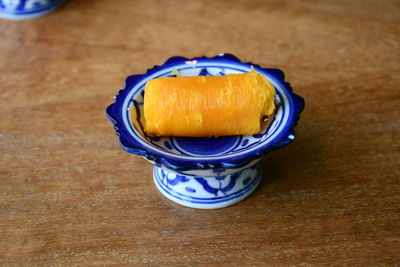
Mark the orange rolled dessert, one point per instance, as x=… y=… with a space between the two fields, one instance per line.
x=205 y=106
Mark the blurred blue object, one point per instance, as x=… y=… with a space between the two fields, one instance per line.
x=27 y=9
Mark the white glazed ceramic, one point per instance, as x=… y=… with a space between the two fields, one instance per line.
x=204 y=173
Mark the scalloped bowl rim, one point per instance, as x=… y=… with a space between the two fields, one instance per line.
x=139 y=87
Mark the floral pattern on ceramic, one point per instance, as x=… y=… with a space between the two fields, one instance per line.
x=205 y=158
x=207 y=192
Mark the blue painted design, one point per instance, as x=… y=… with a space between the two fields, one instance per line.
x=246 y=181
x=245 y=142
x=178 y=179
x=178 y=159
x=205 y=181
x=190 y=190
x=206 y=186
x=205 y=146
x=204 y=72
x=195 y=197
x=231 y=183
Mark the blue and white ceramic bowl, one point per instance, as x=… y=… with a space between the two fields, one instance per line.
x=27 y=9
x=205 y=173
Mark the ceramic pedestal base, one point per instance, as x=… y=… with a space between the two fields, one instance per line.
x=207 y=192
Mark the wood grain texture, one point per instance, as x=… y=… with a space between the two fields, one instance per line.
x=70 y=196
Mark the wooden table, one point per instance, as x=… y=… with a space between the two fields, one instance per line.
x=70 y=196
